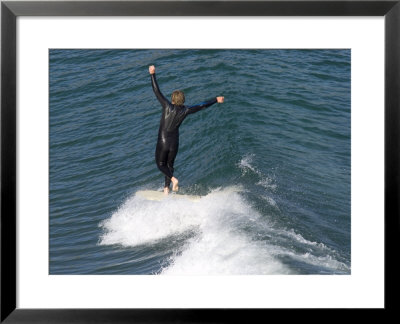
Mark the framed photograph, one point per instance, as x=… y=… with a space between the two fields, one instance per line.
x=197 y=160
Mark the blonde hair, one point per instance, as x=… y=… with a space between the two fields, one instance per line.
x=178 y=98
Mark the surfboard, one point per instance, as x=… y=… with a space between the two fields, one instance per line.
x=159 y=195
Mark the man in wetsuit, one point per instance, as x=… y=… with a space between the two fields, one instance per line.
x=173 y=114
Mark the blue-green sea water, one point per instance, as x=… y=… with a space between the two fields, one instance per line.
x=272 y=163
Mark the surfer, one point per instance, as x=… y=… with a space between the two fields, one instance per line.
x=173 y=114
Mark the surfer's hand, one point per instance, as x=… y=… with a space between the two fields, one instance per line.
x=220 y=99
x=152 y=69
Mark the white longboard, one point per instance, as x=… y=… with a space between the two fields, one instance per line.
x=159 y=195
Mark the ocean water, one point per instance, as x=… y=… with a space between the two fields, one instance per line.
x=272 y=163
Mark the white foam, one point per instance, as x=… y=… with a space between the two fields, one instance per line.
x=246 y=166
x=267 y=183
x=139 y=221
x=270 y=201
x=225 y=236
x=220 y=245
x=222 y=248
x=299 y=238
x=318 y=254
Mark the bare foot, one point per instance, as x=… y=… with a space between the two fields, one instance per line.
x=174 y=184
x=166 y=190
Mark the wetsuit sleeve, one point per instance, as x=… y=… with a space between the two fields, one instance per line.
x=157 y=91
x=205 y=104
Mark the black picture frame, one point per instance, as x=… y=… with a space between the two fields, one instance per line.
x=10 y=10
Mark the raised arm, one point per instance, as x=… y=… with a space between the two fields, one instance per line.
x=156 y=89
x=205 y=104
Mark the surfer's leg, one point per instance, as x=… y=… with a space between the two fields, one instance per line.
x=164 y=169
x=171 y=169
x=161 y=160
x=167 y=182
x=168 y=179
x=170 y=163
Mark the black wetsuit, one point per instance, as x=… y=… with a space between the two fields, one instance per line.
x=168 y=133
